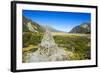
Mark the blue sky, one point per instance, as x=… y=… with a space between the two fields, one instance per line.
x=63 y=21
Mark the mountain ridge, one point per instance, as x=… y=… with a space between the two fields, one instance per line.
x=82 y=28
x=32 y=26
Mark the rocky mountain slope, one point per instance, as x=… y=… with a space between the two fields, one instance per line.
x=83 y=28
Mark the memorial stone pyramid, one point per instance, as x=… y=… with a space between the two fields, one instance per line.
x=48 y=50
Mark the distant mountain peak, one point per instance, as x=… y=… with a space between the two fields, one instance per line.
x=50 y=28
x=82 y=28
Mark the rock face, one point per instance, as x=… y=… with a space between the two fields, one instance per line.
x=47 y=50
x=31 y=26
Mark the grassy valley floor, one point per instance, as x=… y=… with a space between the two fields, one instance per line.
x=77 y=45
